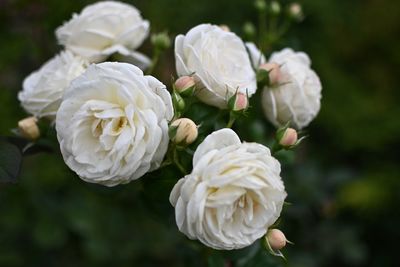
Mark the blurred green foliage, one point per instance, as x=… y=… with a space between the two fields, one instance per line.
x=343 y=182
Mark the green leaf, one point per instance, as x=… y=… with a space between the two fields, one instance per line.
x=215 y=260
x=10 y=162
x=20 y=142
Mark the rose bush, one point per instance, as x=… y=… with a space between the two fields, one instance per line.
x=233 y=194
x=112 y=124
x=218 y=61
x=104 y=28
x=297 y=95
x=43 y=89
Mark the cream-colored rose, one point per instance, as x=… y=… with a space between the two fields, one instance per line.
x=43 y=89
x=296 y=97
x=104 y=28
x=233 y=194
x=218 y=60
x=112 y=124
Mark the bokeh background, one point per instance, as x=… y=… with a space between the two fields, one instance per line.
x=343 y=183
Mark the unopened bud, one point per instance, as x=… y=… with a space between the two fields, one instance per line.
x=238 y=102
x=28 y=128
x=183 y=131
x=249 y=30
x=295 y=11
x=185 y=85
x=275 y=8
x=260 y=5
x=161 y=40
x=225 y=27
x=289 y=138
x=178 y=102
x=276 y=239
x=274 y=72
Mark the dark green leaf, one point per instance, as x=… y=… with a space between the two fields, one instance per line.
x=10 y=162
x=215 y=260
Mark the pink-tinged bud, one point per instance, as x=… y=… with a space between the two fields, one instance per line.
x=28 y=128
x=225 y=27
x=185 y=84
x=238 y=102
x=295 y=11
x=289 y=138
x=241 y=102
x=274 y=72
x=276 y=239
x=183 y=131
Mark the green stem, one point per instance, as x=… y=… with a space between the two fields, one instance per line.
x=154 y=61
x=284 y=28
x=273 y=22
x=231 y=121
x=275 y=148
x=169 y=158
x=177 y=162
x=262 y=25
x=165 y=164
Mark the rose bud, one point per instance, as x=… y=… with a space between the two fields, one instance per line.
x=275 y=8
x=225 y=27
x=185 y=85
x=249 y=30
x=260 y=5
x=295 y=11
x=28 y=128
x=238 y=102
x=273 y=70
x=289 y=138
x=178 y=102
x=276 y=239
x=161 y=40
x=183 y=131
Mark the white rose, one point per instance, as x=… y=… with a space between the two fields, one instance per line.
x=219 y=61
x=43 y=89
x=112 y=124
x=233 y=194
x=297 y=96
x=104 y=28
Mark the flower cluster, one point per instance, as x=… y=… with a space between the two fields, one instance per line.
x=99 y=31
x=114 y=124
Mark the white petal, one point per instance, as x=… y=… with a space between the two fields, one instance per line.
x=216 y=140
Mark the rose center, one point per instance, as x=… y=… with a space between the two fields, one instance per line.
x=110 y=126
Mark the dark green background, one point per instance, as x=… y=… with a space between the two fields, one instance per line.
x=343 y=183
